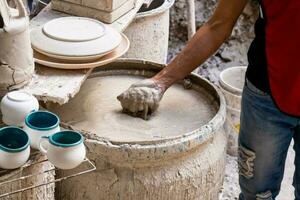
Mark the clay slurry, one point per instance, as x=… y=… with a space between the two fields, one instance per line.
x=97 y=109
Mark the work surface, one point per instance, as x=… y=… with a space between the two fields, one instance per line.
x=97 y=110
x=56 y=85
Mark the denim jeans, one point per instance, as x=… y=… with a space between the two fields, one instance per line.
x=264 y=139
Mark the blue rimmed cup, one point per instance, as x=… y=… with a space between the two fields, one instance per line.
x=65 y=149
x=14 y=147
x=40 y=123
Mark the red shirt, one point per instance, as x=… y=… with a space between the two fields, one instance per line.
x=279 y=29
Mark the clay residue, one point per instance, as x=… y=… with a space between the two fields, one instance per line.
x=96 y=109
x=141 y=99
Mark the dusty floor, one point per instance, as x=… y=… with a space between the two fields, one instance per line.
x=231 y=190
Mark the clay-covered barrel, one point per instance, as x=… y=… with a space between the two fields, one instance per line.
x=178 y=154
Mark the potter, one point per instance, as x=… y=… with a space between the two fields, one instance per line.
x=40 y=123
x=15 y=43
x=65 y=149
x=14 y=147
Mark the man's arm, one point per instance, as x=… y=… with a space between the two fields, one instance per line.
x=143 y=98
x=206 y=41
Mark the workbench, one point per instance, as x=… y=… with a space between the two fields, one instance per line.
x=56 y=85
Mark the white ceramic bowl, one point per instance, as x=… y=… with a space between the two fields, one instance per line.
x=48 y=39
x=14 y=147
x=65 y=149
x=39 y=124
x=15 y=106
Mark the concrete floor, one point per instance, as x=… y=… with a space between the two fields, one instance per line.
x=231 y=189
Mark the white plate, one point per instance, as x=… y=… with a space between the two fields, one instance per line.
x=74 y=29
x=74 y=58
x=100 y=46
x=55 y=63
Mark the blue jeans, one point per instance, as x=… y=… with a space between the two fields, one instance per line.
x=264 y=139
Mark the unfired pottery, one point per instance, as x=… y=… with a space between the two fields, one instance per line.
x=74 y=29
x=16 y=56
x=83 y=43
x=56 y=63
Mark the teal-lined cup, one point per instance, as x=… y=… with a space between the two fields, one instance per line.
x=40 y=123
x=14 y=147
x=65 y=149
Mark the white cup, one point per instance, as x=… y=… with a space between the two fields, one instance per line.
x=65 y=149
x=14 y=147
x=40 y=123
x=15 y=106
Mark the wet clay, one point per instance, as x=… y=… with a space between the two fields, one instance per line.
x=97 y=109
x=141 y=99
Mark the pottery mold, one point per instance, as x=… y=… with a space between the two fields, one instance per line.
x=86 y=62
x=100 y=46
x=187 y=165
x=92 y=12
x=104 y=5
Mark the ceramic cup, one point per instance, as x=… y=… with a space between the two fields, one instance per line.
x=65 y=149
x=15 y=106
x=14 y=147
x=40 y=123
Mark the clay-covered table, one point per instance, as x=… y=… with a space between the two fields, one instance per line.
x=56 y=85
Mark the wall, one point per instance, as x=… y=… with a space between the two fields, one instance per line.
x=233 y=52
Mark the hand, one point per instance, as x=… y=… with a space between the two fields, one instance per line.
x=142 y=98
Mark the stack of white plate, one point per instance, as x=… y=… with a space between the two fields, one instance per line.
x=77 y=42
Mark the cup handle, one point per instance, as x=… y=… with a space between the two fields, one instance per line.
x=43 y=140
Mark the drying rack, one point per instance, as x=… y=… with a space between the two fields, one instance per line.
x=85 y=167
x=36 y=158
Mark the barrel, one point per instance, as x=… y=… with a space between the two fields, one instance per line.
x=179 y=153
x=232 y=81
x=149 y=32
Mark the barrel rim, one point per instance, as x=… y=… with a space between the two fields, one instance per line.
x=226 y=86
x=162 y=149
x=164 y=7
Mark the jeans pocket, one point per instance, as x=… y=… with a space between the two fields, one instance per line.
x=254 y=90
